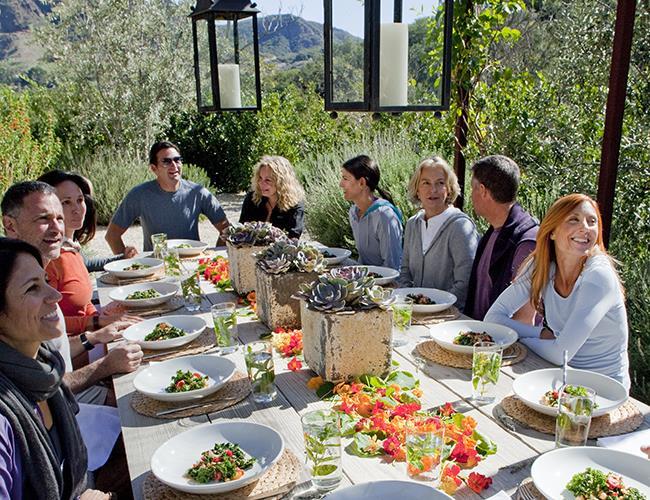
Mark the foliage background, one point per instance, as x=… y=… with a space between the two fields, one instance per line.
x=117 y=74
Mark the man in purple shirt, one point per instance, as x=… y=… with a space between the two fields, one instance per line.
x=508 y=241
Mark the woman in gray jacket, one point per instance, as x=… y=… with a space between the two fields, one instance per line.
x=439 y=241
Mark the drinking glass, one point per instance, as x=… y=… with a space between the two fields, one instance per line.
x=322 y=432
x=172 y=262
x=191 y=289
x=259 y=364
x=159 y=242
x=224 y=316
x=486 y=366
x=402 y=314
x=573 y=417
x=424 y=446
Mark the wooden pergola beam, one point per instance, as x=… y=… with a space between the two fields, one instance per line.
x=618 y=74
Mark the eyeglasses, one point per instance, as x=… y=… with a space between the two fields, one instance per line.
x=168 y=161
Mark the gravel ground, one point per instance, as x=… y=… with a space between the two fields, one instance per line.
x=231 y=204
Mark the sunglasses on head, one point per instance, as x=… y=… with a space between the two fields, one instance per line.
x=168 y=161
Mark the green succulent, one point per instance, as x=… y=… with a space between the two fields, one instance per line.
x=284 y=256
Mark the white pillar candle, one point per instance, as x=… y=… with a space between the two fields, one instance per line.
x=229 y=88
x=393 y=64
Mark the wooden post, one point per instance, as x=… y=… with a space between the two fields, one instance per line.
x=614 y=112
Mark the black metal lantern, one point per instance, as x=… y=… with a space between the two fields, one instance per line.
x=403 y=62
x=226 y=56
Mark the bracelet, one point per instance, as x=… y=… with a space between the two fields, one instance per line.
x=96 y=322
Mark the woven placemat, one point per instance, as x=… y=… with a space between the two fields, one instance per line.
x=173 y=304
x=111 y=279
x=622 y=420
x=431 y=351
x=449 y=314
x=283 y=473
x=234 y=391
x=199 y=345
x=528 y=491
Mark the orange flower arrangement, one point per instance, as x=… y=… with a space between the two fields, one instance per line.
x=289 y=343
x=377 y=413
x=216 y=271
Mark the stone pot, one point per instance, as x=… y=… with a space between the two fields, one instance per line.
x=242 y=267
x=345 y=345
x=275 y=307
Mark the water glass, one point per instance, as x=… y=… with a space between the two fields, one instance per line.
x=486 y=366
x=424 y=447
x=224 y=316
x=172 y=262
x=402 y=314
x=259 y=364
x=159 y=243
x=573 y=417
x=322 y=432
x=191 y=289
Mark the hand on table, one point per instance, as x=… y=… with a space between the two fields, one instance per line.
x=646 y=450
x=95 y=495
x=124 y=358
x=109 y=333
x=113 y=316
x=130 y=252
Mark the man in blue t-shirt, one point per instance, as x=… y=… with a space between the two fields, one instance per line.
x=169 y=204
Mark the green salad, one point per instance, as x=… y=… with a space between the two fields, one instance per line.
x=224 y=462
x=471 y=338
x=164 y=331
x=150 y=293
x=184 y=245
x=593 y=484
x=550 y=397
x=185 y=381
x=136 y=267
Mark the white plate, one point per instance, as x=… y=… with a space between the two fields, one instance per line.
x=387 y=274
x=152 y=380
x=445 y=333
x=196 y=247
x=388 y=490
x=552 y=471
x=192 y=325
x=530 y=387
x=117 y=267
x=166 y=291
x=340 y=254
x=171 y=461
x=443 y=300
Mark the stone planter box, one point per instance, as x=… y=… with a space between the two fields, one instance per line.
x=346 y=345
x=275 y=306
x=242 y=267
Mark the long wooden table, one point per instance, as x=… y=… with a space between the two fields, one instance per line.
x=516 y=449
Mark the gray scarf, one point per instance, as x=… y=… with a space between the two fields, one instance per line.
x=23 y=382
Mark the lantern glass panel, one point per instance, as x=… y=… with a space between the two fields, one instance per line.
x=347 y=51
x=411 y=53
x=203 y=45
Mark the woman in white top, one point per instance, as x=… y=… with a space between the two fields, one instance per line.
x=439 y=241
x=571 y=281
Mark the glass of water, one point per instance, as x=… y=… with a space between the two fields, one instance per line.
x=575 y=406
x=159 y=243
x=424 y=446
x=486 y=366
x=191 y=288
x=322 y=432
x=261 y=372
x=224 y=316
x=402 y=309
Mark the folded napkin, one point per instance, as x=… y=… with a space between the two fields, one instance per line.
x=630 y=443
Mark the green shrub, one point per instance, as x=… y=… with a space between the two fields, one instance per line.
x=114 y=174
x=27 y=147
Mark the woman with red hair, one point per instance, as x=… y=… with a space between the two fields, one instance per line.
x=571 y=281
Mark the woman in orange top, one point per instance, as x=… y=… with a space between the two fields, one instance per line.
x=68 y=273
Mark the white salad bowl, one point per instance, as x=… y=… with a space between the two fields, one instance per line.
x=388 y=490
x=166 y=291
x=387 y=274
x=173 y=459
x=153 y=380
x=193 y=326
x=552 y=471
x=443 y=300
x=117 y=267
x=195 y=247
x=445 y=333
x=340 y=254
x=531 y=387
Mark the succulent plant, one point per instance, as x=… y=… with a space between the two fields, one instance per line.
x=343 y=289
x=284 y=256
x=254 y=233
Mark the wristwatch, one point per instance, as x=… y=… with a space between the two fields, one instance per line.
x=87 y=344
